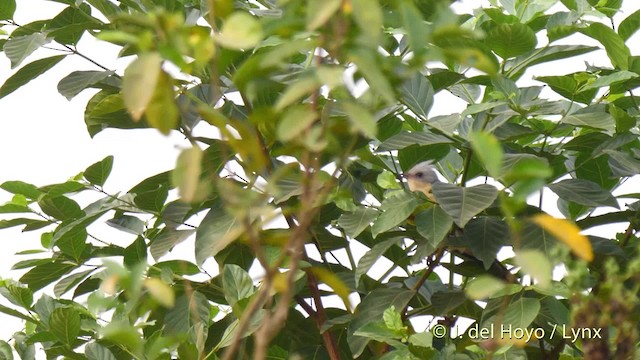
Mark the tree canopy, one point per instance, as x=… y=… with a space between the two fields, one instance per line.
x=318 y=107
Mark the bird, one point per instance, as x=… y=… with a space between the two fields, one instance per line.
x=421 y=177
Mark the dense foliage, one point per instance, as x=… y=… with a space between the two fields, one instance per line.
x=318 y=107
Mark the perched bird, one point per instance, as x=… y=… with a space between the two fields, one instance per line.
x=421 y=178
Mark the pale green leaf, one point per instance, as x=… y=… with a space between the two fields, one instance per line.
x=217 y=230
x=162 y=111
x=240 y=31
x=19 y=48
x=369 y=18
x=536 y=264
x=294 y=122
x=361 y=120
x=72 y=84
x=483 y=287
x=186 y=175
x=140 y=79
x=320 y=11
x=160 y=292
x=488 y=149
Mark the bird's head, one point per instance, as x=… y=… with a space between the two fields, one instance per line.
x=422 y=172
x=421 y=177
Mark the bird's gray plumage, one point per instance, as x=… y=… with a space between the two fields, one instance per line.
x=423 y=172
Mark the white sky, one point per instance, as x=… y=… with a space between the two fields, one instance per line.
x=43 y=138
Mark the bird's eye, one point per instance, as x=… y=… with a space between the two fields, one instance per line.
x=419 y=174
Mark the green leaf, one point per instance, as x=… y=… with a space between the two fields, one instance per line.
x=369 y=18
x=69 y=282
x=434 y=224
x=608 y=80
x=294 y=122
x=189 y=311
x=7 y=10
x=95 y=351
x=236 y=283
x=521 y=313
x=355 y=222
x=405 y=139
x=240 y=31
x=488 y=149
x=462 y=204
x=72 y=84
x=19 y=48
x=160 y=292
x=629 y=26
x=597 y=120
x=64 y=324
x=568 y=87
x=60 y=207
x=483 y=287
x=18 y=295
x=166 y=240
x=6 y=353
x=186 y=175
x=127 y=223
x=395 y=210
x=616 y=49
x=372 y=256
x=365 y=60
x=371 y=309
x=415 y=27
x=537 y=265
x=417 y=93
x=320 y=11
x=217 y=230
x=28 y=73
x=44 y=274
x=485 y=236
x=510 y=40
x=98 y=173
x=25 y=351
x=135 y=253
x=623 y=164
x=361 y=120
x=583 y=192
x=72 y=244
x=140 y=76
x=516 y=67
x=30 y=191
x=162 y=112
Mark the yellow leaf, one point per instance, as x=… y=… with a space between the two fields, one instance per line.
x=160 y=292
x=162 y=112
x=568 y=233
x=331 y=280
x=186 y=175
